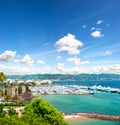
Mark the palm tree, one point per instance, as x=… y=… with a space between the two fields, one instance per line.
x=2 y=76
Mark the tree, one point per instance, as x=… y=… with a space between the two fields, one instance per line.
x=1 y=107
x=6 y=98
x=2 y=112
x=12 y=111
x=40 y=111
x=2 y=76
x=20 y=89
x=16 y=98
x=5 y=92
x=1 y=93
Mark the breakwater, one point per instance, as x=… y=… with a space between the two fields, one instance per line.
x=92 y=115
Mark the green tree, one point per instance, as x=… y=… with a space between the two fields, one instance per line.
x=1 y=107
x=1 y=93
x=40 y=110
x=5 y=92
x=2 y=76
x=12 y=111
x=2 y=112
x=20 y=89
x=6 y=98
x=16 y=98
x=12 y=120
x=27 y=88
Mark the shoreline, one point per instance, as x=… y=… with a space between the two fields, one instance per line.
x=81 y=116
x=76 y=117
x=88 y=116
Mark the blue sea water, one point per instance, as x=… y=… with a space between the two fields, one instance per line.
x=94 y=122
x=101 y=102
x=106 y=83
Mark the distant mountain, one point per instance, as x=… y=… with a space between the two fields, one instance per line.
x=81 y=77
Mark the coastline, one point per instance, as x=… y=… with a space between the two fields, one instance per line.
x=80 y=116
x=88 y=116
x=76 y=117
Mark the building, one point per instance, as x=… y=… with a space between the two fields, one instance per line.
x=12 y=91
x=23 y=89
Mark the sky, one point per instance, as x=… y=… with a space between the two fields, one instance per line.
x=59 y=36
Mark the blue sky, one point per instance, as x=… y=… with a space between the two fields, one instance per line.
x=59 y=36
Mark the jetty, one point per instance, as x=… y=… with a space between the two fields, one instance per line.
x=91 y=115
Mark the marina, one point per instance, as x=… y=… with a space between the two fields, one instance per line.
x=59 y=90
x=71 y=89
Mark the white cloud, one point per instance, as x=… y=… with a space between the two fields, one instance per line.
x=2 y=67
x=44 y=70
x=18 y=70
x=99 y=22
x=7 y=55
x=14 y=70
x=84 y=26
x=58 y=57
x=61 y=69
x=40 y=62
x=27 y=61
x=70 y=44
x=97 y=34
x=115 y=69
x=60 y=65
x=91 y=70
x=16 y=60
x=93 y=28
x=107 y=53
x=77 y=61
x=47 y=69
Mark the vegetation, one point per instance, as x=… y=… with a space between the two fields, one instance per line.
x=38 y=112
x=20 y=89
x=13 y=92
x=2 y=113
x=1 y=93
x=6 y=98
x=11 y=104
x=2 y=76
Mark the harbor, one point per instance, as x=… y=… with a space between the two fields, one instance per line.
x=59 y=90
x=71 y=89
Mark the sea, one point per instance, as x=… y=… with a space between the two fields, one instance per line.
x=101 y=102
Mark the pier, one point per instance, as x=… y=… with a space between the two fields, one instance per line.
x=92 y=115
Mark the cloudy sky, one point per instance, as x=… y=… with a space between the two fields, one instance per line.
x=59 y=36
